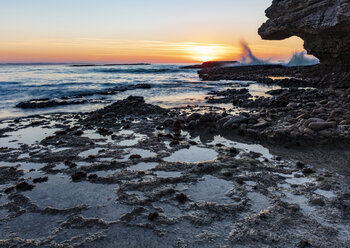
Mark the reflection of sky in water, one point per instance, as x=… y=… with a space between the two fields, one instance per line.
x=27 y=136
x=246 y=147
x=210 y=189
x=279 y=78
x=192 y=155
x=143 y=166
x=258 y=90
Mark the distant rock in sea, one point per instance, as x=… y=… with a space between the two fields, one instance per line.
x=90 y=65
x=211 y=64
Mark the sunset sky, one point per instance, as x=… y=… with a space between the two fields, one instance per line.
x=156 y=31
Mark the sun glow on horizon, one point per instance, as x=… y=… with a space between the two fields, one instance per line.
x=134 y=31
x=205 y=53
x=129 y=51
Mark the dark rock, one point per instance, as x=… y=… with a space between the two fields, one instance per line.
x=78 y=176
x=153 y=216
x=168 y=122
x=275 y=92
x=317 y=201
x=91 y=157
x=23 y=186
x=308 y=171
x=135 y=156
x=278 y=158
x=254 y=155
x=77 y=99
x=314 y=21
x=59 y=133
x=48 y=103
x=104 y=131
x=133 y=105
x=92 y=176
x=318 y=126
x=211 y=64
x=8 y=174
x=304 y=244
x=40 y=179
x=227 y=174
x=182 y=198
x=300 y=165
x=178 y=123
x=234 y=151
x=9 y=190
x=160 y=128
x=240 y=181
x=70 y=164
x=78 y=133
x=193 y=117
x=174 y=143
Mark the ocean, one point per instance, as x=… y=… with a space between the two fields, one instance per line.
x=171 y=86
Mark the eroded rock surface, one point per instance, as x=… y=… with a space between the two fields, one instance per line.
x=324 y=25
x=137 y=175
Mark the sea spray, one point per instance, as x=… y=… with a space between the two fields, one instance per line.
x=302 y=59
x=248 y=58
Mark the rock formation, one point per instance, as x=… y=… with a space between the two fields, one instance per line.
x=324 y=25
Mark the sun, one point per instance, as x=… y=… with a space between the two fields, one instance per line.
x=204 y=53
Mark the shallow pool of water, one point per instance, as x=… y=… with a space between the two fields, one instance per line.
x=131 y=141
x=259 y=90
x=218 y=139
x=210 y=189
x=168 y=174
x=27 y=136
x=60 y=192
x=143 y=166
x=92 y=134
x=325 y=193
x=90 y=152
x=192 y=155
x=142 y=152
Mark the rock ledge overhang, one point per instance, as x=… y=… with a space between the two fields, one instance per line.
x=324 y=25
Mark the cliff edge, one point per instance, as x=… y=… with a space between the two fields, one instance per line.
x=324 y=25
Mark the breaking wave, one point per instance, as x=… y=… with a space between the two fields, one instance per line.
x=302 y=59
x=248 y=58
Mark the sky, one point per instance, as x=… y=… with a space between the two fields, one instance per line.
x=155 y=31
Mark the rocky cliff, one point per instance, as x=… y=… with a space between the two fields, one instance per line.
x=324 y=25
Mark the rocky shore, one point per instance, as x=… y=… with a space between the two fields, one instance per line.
x=243 y=170
x=291 y=115
x=175 y=177
x=298 y=76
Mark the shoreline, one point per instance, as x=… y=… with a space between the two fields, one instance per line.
x=235 y=153
x=226 y=176
x=137 y=168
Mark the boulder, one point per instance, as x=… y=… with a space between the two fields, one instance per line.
x=239 y=119
x=318 y=126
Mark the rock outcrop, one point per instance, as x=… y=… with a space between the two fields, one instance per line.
x=324 y=25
